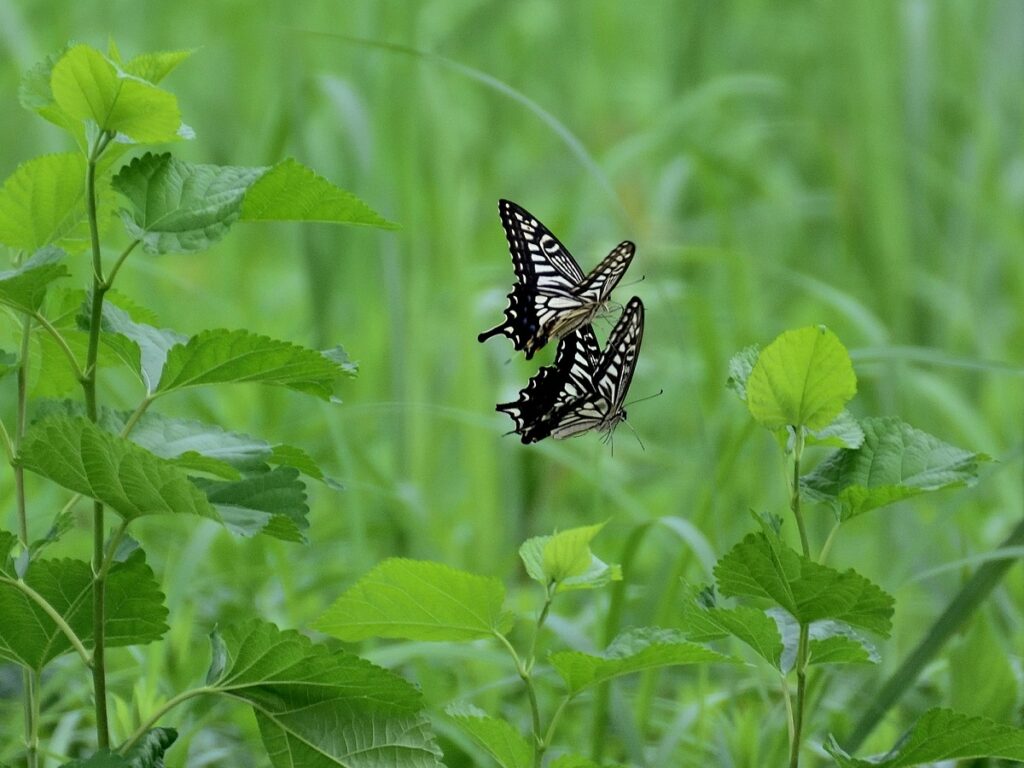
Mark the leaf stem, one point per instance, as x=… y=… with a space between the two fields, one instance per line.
x=802 y=648
x=794 y=497
x=525 y=675
x=827 y=546
x=61 y=342
x=155 y=717
x=120 y=260
x=136 y=415
x=54 y=614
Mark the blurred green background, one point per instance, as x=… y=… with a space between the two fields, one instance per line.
x=778 y=164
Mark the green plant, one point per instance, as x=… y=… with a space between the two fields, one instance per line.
x=312 y=704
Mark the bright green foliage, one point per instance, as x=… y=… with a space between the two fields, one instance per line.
x=942 y=734
x=8 y=363
x=273 y=503
x=143 y=348
x=802 y=379
x=224 y=357
x=24 y=288
x=749 y=625
x=565 y=560
x=576 y=761
x=289 y=191
x=177 y=206
x=839 y=649
x=635 y=650
x=757 y=567
x=43 y=203
x=417 y=600
x=102 y=759
x=740 y=367
x=844 y=432
x=154 y=66
x=982 y=678
x=135 y=611
x=80 y=456
x=36 y=95
x=148 y=751
x=87 y=86
x=316 y=707
x=497 y=737
x=895 y=462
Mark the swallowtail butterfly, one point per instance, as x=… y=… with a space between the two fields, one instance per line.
x=585 y=387
x=552 y=297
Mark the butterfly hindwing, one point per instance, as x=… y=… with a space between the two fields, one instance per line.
x=552 y=297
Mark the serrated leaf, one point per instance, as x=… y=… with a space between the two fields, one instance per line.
x=319 y=708
x=633 y=651
x=272 y=503
x=222 y=357
x=36 y=95
x=43 y=203
x=149 y=750
x=844 y=432
x=802 y=379
x=289 y=191
x=497 y=737
x=809 y=591
x=565 y=560
x=134 y=608
x=842 y=650
x=87 y=86
x=77 y=455
x=417 y=600
x=740 y=366
x=180 y=207
x=749 y=625
x=941 y=734
x=894 y=463
x=24 y=288
x=157 y=65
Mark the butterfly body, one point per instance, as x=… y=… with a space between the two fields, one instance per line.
x=585 y=388
x=552 y=297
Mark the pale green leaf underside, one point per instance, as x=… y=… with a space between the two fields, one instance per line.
x=272 y=503
x=417 y=600
x=497 y=737
x=290 y=191
x=941 y=734
x=749 y=625
x=809 y=591
x=802 y=379
x=565 y=559
x=894 y=462
x=633 y=651
x=79 y=456
x=43 y=203
x=24 y=288
x=843 y=432
x=740 y=366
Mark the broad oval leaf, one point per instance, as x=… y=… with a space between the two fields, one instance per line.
x=24 y=288
x=802 y=379
x=223 y=357
x=290 y=191
x=942 y=734
x=895 y=462
x=497 y=737
x=135 y=609
x=757 y=567
x=417 y=600
x=43 y=203
x=78 y=455
x=88 y=86
x=749 y=625
x=272 y=503
x=320 y=708
x=565 y=560
x=635 y=650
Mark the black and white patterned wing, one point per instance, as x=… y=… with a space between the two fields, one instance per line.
x=601 y=281
x=556 y=386
x=615 y=370
x=547 y=278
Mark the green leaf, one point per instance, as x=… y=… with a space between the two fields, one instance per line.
x=8 y=363
x=757 y=567
x=497 y=737
x=417 y=600
x=43 y=203
x=844 y=432
x=24 y=288
x=273 y=503
x=316 y=707
x=577 y=761
x=87 y=86
x=635 y=650
x=222 y=357
x=102 y=759
x=982 y=678
x=740 y=366
x=895 y=462
x=134 y=607
x=942 y=734
x=802 y=379
x=749 y=625
x=842 y=650
x=36 y=95
x=157 y=65
x=176 y=206
x=77 y=455
x=148 y=751
x=290 y=191
x=565 y=560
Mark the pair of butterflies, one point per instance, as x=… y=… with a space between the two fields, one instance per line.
x=552 y=298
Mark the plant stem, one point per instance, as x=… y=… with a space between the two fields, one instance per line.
x=120 y=260
x=155 y=717
x=54 y=615
x=99 y=288
x=526 y=677
x=802 y=647
x=61 y=342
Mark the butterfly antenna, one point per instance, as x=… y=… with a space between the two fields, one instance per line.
x=639 y=280
x=636 y=434
x=659 y=393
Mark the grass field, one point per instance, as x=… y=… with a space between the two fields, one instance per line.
x=859 y=165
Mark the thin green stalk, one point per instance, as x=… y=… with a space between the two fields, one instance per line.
x=53 y=613
x=136 y=415
x=829 y=541
x=526 y=677
x=156 y=716
x=120 y=260
x=556 y=718
x=803 y=645
x=61 y=342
